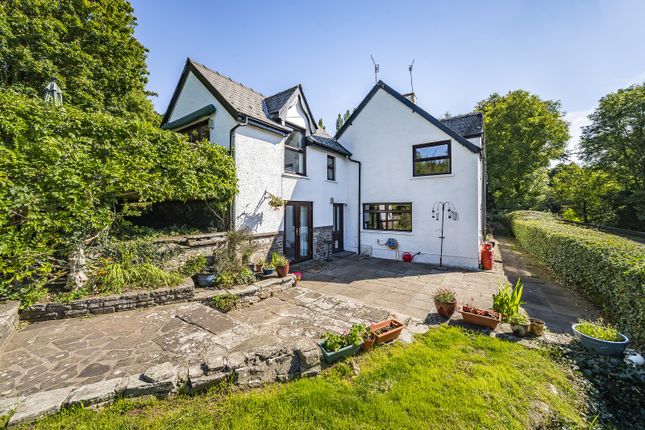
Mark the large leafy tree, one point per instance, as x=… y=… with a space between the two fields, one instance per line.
x=88 y=46
x=615 y=142
x=584 y=193
x=67 y=175
x=523 y=134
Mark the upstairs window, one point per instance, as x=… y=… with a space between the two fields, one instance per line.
x=387 y=216
x=198 y=131
x=294 y=154
x=432 y=159
x=331 y=168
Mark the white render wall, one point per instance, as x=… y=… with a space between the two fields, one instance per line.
x=193 y=96
x=259 y=157
x=381 y=137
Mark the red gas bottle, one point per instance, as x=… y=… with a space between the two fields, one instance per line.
x=487 y=256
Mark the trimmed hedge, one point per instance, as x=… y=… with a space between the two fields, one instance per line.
x=609 y=270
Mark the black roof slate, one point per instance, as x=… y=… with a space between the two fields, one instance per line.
x=325 y=141
x=467 y=125
x=275 y=102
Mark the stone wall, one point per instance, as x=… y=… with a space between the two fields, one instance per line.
x=321 y=235
x=248 y=294
x=8 y=320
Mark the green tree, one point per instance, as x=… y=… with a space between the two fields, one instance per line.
x=339 y=122
x=584 y=193
x=523 y=134
x=321 y=124
x=87 y=46
x=66 y=176
x=346 y=116
x=615 y=142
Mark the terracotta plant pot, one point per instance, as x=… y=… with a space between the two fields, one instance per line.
x=537 y=327
x=393 y=331
x=445 y=309
x=282 y=271
x=481 y=320
x=368 y=344
x=258 y=267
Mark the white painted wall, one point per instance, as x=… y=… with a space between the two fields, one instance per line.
x=259 y=157
x=193 y=96
x=296 y=114
x=381 y=137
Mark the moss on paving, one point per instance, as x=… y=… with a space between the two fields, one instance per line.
x=449 y=378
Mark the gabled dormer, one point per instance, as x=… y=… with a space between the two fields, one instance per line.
x=290 y=108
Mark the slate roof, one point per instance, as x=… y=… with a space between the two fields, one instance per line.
x=322 y=139
x=467 y=125
x=243 y=99
x=275 y=102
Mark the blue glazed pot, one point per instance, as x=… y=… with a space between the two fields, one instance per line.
x=204 y=280
x=267 y=272
x=346 y=351
x=604 y=347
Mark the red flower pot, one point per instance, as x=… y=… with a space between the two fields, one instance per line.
x=282 y=271
x=445 y=309
x=386 y=331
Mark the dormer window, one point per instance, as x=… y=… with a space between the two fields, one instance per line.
x=198 y=131
x=294 y=154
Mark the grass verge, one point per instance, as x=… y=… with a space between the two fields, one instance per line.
x=449 y=378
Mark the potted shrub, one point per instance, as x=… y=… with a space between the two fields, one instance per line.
x=445 y=301
x=536 y=327
x=482 y=317
x=519 y=324
x=259 y=265
x=268 y=270
x=197 y=268
x=508 y=300
x=601 y=338
x=386 y=331
x=281 y=264
x=335 y=347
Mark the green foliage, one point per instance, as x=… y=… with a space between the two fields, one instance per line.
x=584 y=193
x=227 y=278
x=194 y=265
x=599 y=330
x=87 y=46
x=116 y=277
x=519 y=318
x=278 y=260
x=615 y=143
x=225 y=302
x=448 y=378
x=66 y=176
x=508 y=299
x=445 y=295
x=609 y=270
x=355 y=335
x=523 y=134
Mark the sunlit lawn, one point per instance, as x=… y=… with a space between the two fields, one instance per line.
x=449 y=379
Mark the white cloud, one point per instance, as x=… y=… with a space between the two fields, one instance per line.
x=577 y=120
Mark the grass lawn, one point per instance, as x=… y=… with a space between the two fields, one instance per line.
x=449 y=378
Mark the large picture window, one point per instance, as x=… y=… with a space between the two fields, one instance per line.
x=294 y=154
x=432 y=159
x=198 y=131
x=387 y=216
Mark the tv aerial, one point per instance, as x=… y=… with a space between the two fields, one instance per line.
x=376 y=69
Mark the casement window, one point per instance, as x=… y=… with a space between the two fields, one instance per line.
x=432 y=159
x=198 y=131
x=331 y=168
x=387 y=216
x=294 y=154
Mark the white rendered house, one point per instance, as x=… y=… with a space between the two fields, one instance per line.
x=377 y=179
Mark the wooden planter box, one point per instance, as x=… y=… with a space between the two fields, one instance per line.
x=388 y=336
x=480 y=320
x=346 y=351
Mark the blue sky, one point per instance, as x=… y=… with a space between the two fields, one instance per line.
x=572 y=51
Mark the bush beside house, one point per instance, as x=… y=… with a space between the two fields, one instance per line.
x=607 y=269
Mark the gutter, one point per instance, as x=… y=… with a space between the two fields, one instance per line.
x=358 y=209
x=231 y=140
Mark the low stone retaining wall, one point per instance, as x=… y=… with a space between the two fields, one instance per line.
x=8 y=320
x=252 y=369
x=248 y=294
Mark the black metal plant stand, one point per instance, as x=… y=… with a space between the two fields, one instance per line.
x=443 y=207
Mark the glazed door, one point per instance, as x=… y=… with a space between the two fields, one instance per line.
x=338 y=227
x=298 y=231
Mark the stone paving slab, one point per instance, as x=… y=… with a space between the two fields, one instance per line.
x=52 y=355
